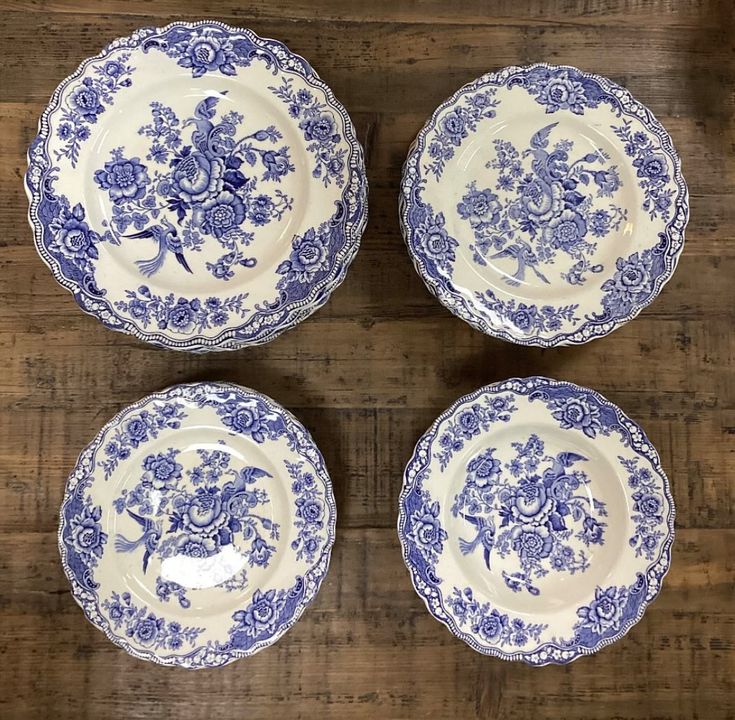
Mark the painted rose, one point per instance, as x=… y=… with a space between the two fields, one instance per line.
x=72 y=236
x=309 y=255
x=530 y=503
x=524 y=317
x=182 y=316
x=146 y=630
x=648 y=503
x=310 y=510
x=248 y=419
x=86 y=533
x=484 y=469
x=489 y=627
x=539 y=200
x=605 y=612
x=632 y=281
x=261 y=614
x=480 y=207
x=197 y=178
x=563 y=93
x=320 y=127
x=426 y=531
x=453 y=126
x=565 y=231
x=195 y=546
x=161 y=471
x=435 y=241
x=204 y=514
x=218 y=215
x=123 y=179
x=113 y=69
x=652 y=167
x=468 y=423
x=137 y=430
x=576 y=412
x=207 y=53
x=532 y=542
x=85 y=99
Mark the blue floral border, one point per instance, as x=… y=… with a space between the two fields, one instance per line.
x=535 y=387
x=269 y=320
x=306 y=588
x=669 y=245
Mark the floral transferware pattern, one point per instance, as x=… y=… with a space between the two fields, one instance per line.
x=534 y=214
x=193 y=525
x=201 y=183
x=530 y=507
x=523 y=514
x=199 y=190
x=546 y=210
x=196 y=516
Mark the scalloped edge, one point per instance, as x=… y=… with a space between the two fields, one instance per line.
x=313 y=577
x=461 y=306
x=656 y=571
x=356 y=205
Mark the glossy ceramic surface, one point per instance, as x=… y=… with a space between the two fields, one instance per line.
x=544 y=205
x=198 y=525
x=536 y=521
x=197 y=186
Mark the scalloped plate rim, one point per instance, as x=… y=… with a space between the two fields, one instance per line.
x=466 y=312
x=665 y=554
x=321 y=564
x=227 y=339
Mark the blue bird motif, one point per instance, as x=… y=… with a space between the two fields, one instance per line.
x=525 y=257
x=149 y=539
x=485 y=537
x=168 y=241
x=559 y=465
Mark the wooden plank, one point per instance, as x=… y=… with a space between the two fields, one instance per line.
x=366 y=451
x=357 y=652
x=402 y=61
x=370 y=371
x=470 y=12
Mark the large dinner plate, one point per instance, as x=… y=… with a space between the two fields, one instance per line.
x=198 y=525
x=536 y=521
x=544 y=205
x=197 y=186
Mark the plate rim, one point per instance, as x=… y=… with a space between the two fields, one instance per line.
x=460 y=306
x=354 y=198
x=316 y=573
x=655 y=570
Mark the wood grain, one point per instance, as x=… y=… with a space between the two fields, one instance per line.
x=370 y=371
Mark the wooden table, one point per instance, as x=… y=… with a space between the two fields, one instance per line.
x=369 y=372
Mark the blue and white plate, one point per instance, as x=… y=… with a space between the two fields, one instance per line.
x=197 y=186
x=536 y=521
x=544 y=205
x=197 y=525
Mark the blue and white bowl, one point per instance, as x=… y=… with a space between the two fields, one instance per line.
x=198 y=524
x=544 y=205
x=536 y=521
x=197 y=186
